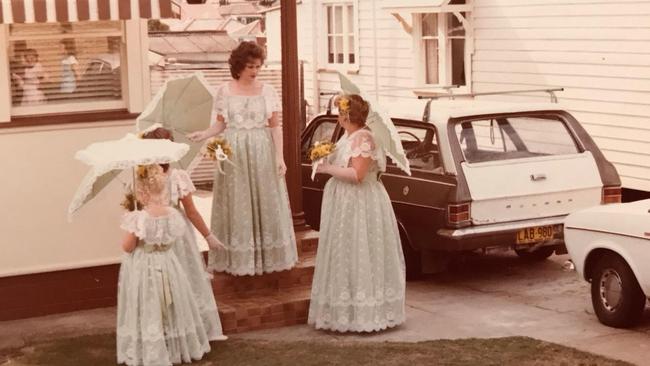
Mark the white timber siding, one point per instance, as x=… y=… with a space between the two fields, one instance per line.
x=598 y=50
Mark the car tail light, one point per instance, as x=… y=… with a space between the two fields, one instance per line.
x=611 y=195
x=458 y=214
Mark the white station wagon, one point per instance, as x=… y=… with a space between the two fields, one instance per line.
x=610 y=247
x=484 y=174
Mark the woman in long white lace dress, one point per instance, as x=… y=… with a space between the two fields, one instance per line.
x=181 y=189
x=158 y=318
x=359 y=280
x=250 y=207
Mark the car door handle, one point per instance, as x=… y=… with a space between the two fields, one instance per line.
x=537 y=177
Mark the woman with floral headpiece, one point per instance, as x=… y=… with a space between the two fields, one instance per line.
x=359 y=281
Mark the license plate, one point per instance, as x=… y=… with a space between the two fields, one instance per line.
x=535 y=234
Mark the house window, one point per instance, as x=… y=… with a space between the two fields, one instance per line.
x=342 y=47
x=66 y=67
x=442 y=47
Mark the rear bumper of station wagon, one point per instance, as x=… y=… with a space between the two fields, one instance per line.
x=494 y=235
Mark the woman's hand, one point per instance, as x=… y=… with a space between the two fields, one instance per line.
x=324 y=167
x=214 y=243
x=281 y=167
x=197 y=136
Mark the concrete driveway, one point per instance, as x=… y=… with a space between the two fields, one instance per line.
x=484 y=296
x=499 y=295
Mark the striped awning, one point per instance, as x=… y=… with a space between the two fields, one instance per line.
x=58 y=11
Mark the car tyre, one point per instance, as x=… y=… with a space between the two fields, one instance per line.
x=615 y=293
x=536 y=255
x=412 y=259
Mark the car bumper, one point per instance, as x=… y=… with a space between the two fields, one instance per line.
x=495 y=235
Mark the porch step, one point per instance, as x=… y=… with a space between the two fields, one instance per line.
x=264 y=309
x=270 y=300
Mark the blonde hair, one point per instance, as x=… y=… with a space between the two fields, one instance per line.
x=151 y=184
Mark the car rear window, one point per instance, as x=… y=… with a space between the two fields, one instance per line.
x=514 y=138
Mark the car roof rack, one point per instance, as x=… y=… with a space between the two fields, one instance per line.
x=452 y=96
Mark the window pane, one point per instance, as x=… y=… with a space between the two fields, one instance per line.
x=339 y=50
x=350 y=14
x=330 y=20
x=430 y=25
x=514 y=138
x=431 y=60
x=338 y=19
x=63 y=63
x=351 y=51
x=421 y=148
x=455 y=27
x=330 y=49
x=458 y=62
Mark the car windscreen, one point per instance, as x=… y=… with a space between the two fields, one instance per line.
x=514 y=137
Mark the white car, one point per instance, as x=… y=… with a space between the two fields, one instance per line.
x=610 y=247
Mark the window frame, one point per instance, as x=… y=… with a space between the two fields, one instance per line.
x=346 y=66
x=135 y=84
x=445 y=61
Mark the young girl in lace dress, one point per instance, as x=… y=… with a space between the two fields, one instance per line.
x=158 y=318
x=250 y=207
x=359 y=280
x=181 y=189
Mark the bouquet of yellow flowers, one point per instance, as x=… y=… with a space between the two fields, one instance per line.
x=218 y=149
x=321 y=150
x=318 y=152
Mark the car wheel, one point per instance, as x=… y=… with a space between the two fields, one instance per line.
x=412 y=259
x=538 y=254
x=615 y=293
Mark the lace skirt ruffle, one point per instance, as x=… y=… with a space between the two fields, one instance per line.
x=193 y=264
x=250 y=209
x=158 y=319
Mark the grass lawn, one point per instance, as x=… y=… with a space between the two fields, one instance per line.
x=99 y=350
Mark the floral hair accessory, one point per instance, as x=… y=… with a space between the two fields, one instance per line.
x=142 y=171
x=344 y=104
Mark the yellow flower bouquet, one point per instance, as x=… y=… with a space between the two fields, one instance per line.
x=318 y=153
x=218 y=149
x=321 y=150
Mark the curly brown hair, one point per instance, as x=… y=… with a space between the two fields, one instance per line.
x=358 y=108
x=160 y=133
x=244 y=53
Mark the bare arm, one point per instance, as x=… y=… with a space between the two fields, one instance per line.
x=129 y=242
x=194 y=216
x=276 y=134
x=213 y=130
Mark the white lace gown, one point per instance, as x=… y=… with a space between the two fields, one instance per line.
x=158 y=318
x=250 y=207
x=191 y=259
x=359 y=280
